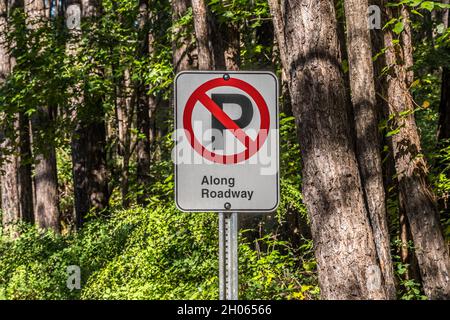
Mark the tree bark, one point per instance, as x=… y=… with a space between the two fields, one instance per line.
x=278 y=26
x=45 y=178
x=25 y=169
x=203 y=33
x=9 y=185
x=232 y=47
x=368 y=149
x=125 y=109
x=144 y=106
x=182 y=55
x=420 y=205
x=16 y=187
x=209 y=40
x=446 y=14
x=332 y=191
x=444 y=106
x=89 y=136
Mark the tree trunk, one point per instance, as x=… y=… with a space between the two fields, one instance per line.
x=420 y=206
x=125 y=109
x=16 y=188
x=45 y=178
x=444 y=106
x=89 y=136
x=343 y=240
x=446 y=15
x=25 y=170
x=143 y=108
x=232 y=47
x=278 y=26
x=182 y=59
x=209 y=40
x=202 y=33
x=9 y=185
x=368 y=150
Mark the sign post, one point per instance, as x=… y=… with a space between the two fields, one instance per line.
x=226 y=153
x=228 y=256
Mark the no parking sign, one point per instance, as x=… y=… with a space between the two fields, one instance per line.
x=226 y=153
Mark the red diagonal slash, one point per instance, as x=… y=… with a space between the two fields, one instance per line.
x=225 y=120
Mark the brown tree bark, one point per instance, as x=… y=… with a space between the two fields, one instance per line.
x=45 y=177
x=89 y=136
x=25 y=169
x=145 y=105
x=210 y=48
x=232 y=47
x=332 y=191
x=203 y=34
x=15 y=168
x=125 y=111
x=45 y=174
x=9 y=162
x=446 y=15
x=368 y=149
x=182 y=51
x=419 y=201
x=278 y=26
x=444 y=106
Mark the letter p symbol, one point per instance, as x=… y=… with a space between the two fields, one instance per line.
x=244 y=120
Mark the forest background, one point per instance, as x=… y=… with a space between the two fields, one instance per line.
x=86 y=121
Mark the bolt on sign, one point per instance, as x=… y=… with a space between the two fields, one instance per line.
x=226 y=153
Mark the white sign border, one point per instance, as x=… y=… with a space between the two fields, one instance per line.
x=277 y=125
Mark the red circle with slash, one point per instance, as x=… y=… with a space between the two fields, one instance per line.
x=251 y=146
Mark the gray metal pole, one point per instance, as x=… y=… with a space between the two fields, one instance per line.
x=228 y=256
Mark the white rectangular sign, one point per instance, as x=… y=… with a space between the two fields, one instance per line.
x=226 y=154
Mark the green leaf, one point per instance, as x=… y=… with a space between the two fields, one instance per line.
x=428 y=5
x=442 y=5
x=392 y=133
x=417 y=13
x=399 y=27
x=415 y=3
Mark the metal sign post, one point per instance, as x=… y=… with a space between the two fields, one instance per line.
x=228 y=256
x=226 y=153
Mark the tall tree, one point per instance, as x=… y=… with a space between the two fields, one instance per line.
x=89 y=136
x=210 y=48
x=45 y=172
x=411 y=167
x=332 y=191
x=181 y=43
x=9 y=162
x=368 y=149
x=23 y=129
x=16 y=184
x=444 y=106
x=232 y=44
x=125 y=109
x=145 y=104
x=203 y=34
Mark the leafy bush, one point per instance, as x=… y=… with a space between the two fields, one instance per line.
x=145 y=253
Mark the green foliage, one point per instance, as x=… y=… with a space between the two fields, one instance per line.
x=145 y=253
x=252 y=19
